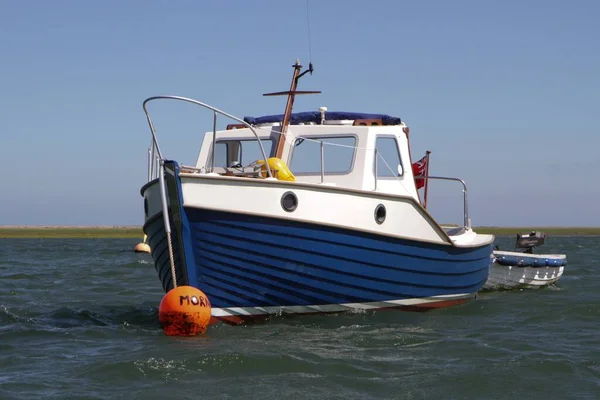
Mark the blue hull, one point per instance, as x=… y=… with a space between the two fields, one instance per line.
x=255 y=262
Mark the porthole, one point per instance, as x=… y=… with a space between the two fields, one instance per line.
x=289 y=201
x=146 y=206
x=380 y=214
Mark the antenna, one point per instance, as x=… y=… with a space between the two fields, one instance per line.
x=309 y=48
x=293 y=92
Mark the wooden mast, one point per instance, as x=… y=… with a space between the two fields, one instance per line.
x=426 y=180
x=290 y=104
x=288 y=109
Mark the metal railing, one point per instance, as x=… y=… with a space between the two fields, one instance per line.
x=466 y=219
x=155 y=156
x=156 y=162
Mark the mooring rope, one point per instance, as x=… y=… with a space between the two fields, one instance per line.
x=171 y=258
x=163 y=198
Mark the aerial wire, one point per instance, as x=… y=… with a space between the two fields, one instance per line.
x=308 y=29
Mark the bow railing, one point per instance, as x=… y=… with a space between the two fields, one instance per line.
x=155 y=156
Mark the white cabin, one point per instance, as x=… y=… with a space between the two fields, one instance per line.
x=361 y=154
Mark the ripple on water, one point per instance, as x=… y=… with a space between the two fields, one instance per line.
x=79 y=320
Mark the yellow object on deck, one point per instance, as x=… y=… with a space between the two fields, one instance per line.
x=278 y=168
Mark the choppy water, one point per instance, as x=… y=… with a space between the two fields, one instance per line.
x=78 y=319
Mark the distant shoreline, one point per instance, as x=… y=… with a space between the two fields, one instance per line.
x=70 y=227
x=127 y=232
x=70 y=232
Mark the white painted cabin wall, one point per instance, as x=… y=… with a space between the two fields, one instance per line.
x=361 y=176
x=320 y=205
x=403 y=185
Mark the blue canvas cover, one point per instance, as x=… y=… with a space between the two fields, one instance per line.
x=315 y=116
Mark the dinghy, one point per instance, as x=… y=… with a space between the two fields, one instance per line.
x=523 y=269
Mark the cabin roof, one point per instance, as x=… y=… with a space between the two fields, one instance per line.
x=315 y=117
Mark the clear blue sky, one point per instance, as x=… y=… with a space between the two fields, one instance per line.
x=506 y=95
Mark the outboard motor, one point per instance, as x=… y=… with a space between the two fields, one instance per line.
x=527 y=241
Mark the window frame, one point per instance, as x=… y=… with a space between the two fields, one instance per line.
x=239 y=139
x=376 y=173
x=320 y=138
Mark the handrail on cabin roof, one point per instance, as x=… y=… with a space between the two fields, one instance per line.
x=215 y=111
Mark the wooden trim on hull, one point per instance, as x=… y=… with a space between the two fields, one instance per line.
x=256 y=318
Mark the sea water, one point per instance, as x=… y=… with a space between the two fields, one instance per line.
x=78 y=320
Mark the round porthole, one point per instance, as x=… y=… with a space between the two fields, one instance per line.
x=146 y=206
x=380 y=214
x=289 y=201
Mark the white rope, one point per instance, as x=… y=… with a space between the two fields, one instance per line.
x=171 y=258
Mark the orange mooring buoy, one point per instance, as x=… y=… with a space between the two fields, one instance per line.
x=184 y=311
x=142 y=247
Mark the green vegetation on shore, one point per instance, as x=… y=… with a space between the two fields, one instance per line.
x=126 y=232
x=549 y=230
x=71 y=232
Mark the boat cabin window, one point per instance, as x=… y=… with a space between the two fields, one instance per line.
x=229 y=153
x=387 y=150
x=338 y=154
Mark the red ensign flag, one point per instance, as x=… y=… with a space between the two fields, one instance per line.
x=420 y=168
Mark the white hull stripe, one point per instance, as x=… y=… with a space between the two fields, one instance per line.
x=327 y=308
